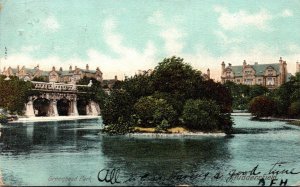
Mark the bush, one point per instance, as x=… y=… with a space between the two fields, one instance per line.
x=262 y=106
x=3 y=119
x=201 y=115
x=153 y=111
x=119 y=128
x=294 y=109
x=163 y=126
x=118 y=104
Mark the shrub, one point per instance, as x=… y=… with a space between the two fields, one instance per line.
x=294 y=109
x=262 y=106
x=118 y=104
x=201 y=115
x=153 y=111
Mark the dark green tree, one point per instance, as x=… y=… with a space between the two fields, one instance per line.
x=14 y=93
x=201 y=115
x=153 y=111
x=262 y=106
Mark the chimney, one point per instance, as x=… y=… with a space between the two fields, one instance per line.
x=70 y=68
x=229 y=64
x=18 y=69
x=244 y=63
x=53 y=68
x=223 y=67
x=87 y=67
x=37 y=66
x=280 y=60
x=60 y=69
x=208 y=73
x=116 y=78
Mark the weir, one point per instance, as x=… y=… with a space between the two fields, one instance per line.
x=58 y=92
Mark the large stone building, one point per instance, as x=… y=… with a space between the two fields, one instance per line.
x=269 y=75
x=60 y=75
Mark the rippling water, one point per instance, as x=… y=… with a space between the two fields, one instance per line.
x=72 y=153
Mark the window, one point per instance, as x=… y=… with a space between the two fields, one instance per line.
x=228 y=73
x=270 y=72
x=248 y=81
x=270 y=81
x=248 y=72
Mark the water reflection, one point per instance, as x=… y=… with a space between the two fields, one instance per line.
x=164 y=157
x=44 y=136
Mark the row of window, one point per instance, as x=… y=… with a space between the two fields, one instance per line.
x=269 y=81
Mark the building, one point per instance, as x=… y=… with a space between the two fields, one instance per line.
x=60 y=75
x=269 y=75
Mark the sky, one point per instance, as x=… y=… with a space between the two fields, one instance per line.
x=124 y=36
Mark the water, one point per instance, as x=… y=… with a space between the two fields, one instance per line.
x=73 y=153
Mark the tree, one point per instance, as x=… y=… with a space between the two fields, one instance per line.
x=294 y=109
x=174 y=76
x=262 y=106
x=201 y=115
x=139 y=86
x=153 y=111
x=14 y=94
x=93 y=93
x=119 y=104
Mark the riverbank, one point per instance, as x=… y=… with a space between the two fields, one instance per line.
x=56 y=118
x=169 y=135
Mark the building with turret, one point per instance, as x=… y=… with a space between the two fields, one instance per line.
x=269 y=75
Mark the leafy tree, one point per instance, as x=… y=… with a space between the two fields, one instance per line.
x=139 y=86
x=119 y=104
x=262 y=106
x=153 y=111
x=93 y=93
x=217 y=92
x=294 y=109
x=201 y=114
x=174 y=76
x=257 y=90
x=14 y=93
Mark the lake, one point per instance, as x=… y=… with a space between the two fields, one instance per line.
x=74 y=153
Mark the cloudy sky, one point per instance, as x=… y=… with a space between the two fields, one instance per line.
x=122 y=37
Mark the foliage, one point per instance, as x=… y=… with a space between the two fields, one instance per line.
x=201 y=114
x=3 y=119
x=40 y=79
x=242 y=94
x=139 y=86
x=172 y=75
x=217 y=92
x=119 y=104
x=121 y=127
x=262 y=106
x=294 y=109
x=14 y=93
x=163 y=126
x=93 y=93
x=158 y=100
x=153 y=111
